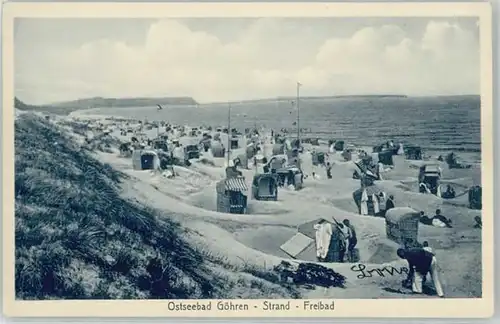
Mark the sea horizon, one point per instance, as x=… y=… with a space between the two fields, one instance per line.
x=259 y=99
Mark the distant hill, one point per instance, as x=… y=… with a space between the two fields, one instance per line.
x=64 y=108
x=100 y=102
x=349 y=96
x=18 y=104
x=287 y=98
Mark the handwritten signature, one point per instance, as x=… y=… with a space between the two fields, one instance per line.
x=381 y=272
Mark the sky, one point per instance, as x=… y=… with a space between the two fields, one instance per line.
x=222 y=59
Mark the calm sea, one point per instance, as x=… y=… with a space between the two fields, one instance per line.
x=434 y=123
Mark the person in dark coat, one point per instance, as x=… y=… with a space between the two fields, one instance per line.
x=389 y=203
x=420 y=263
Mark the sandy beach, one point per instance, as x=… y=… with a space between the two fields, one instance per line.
x=256 y=237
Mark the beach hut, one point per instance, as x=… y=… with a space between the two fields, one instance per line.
x=145 y=160
x=265 y=186
x=321 y=158
x=339 y=145
x=401 y=224
x=302 y=246
x=235 y=143
x=429 y=179
x=386 y=157
x=291 y=176
x=217 y=148
x=413 y=152
x=125 y=150
x=232 y=195
x=160 y=144
x=277 y=162
x=475 y=197
x=241 y=161
x=278 y=149
x=191 y=152
x=367 y=200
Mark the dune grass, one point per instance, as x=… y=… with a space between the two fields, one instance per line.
x=76 y=238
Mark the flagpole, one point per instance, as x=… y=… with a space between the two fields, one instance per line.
x=298 y=112
x=228 y=132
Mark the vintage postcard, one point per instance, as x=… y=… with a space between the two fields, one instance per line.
x=247 y=160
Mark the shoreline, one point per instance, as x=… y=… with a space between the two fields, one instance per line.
x=473 y=155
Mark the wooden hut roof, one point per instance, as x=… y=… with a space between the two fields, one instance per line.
x=148 y=152
x=297 y=244
x=263 y=175
x=235 y=184
x=431 y=169
x=397 y=214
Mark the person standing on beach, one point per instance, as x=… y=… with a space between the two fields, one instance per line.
x=389 y=203
x=421 y=262
x=328 y=170
x=353 y=240
x=344 y=241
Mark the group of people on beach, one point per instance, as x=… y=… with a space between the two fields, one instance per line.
x=438 y=220
x=344 y=245
x=349 y=242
